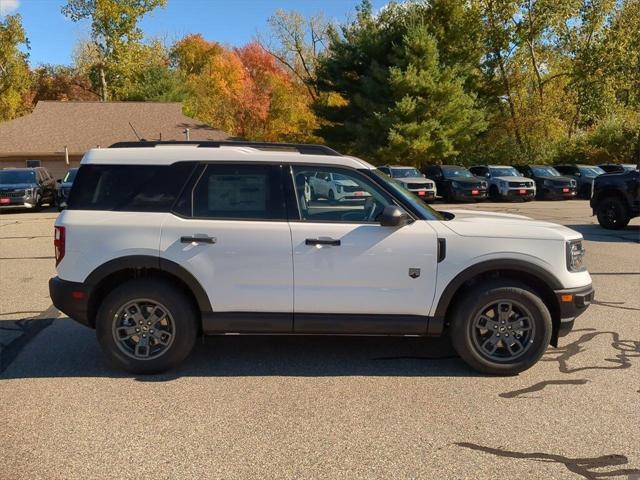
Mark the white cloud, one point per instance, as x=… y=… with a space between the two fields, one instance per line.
x=8 y=6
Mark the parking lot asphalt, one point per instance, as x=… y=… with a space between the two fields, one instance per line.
x=320 y=407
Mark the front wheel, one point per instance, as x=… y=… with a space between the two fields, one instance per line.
x=501 y=328
x=146 y=326
x=613 y=213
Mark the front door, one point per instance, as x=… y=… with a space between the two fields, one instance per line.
x=234 y=238
x=351 y=274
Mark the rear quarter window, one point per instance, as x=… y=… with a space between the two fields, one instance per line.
x=130 y=188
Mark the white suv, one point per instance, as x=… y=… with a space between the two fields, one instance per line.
x=161 y=242
x=506 y=182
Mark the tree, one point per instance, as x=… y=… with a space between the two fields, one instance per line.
x=397 y=92
x=15 y=80
x=297 y=43
x=58 y=82
x=114 y=34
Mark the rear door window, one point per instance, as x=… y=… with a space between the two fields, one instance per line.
x=239 y=192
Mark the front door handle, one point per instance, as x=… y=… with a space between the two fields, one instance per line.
x=322 y=241
x=194 y=239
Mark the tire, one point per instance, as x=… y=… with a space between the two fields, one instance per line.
x=169 y=345
x=494 y=194
x=331 y=196
x=38 y=204
x=314 y=197
x=468 y=340
x=613 y=213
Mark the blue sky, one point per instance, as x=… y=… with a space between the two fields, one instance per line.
x=235 y=22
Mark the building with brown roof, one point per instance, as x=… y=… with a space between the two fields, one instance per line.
x=55 y=131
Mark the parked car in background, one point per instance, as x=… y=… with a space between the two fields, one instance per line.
x=615 y=198
x=617 y=167
x=549 y=183
x=582 y=174
x=411 y=179
x=64 y=187
x=161 y=249
x=506 y=183
x=335 y=187
x=26 y=188
x=454 y=183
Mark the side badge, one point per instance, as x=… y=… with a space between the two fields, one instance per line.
x=414 y=272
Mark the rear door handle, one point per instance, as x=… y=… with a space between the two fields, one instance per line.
x=194 y=239
x=322 y=241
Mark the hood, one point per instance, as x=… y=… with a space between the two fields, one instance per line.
x=346 y=183
x=473 y=223
x=471 y=180
x=559 y=180
x=16 y=186
x=514 y=179
x=413 y=180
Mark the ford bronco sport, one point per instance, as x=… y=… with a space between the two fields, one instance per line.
x=164 y=241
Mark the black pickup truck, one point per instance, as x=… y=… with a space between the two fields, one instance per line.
x=615 y=198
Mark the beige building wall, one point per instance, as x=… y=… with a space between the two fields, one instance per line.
x=55 y=164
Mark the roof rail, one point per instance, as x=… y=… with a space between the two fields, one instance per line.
x=308 y=149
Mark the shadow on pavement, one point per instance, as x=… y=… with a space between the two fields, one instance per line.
x=595 y=233
x=70 y=350
x=588 y=467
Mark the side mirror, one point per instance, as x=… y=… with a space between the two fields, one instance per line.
x=578 y=174
x=424 y=176
x=59 y=180
x=488 y=175
x=393 y=216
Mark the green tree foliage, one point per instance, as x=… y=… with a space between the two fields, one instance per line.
x=395 y=85
x=115 y=39
x=15 y=79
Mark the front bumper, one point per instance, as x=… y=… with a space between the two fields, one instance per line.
x=469 y=195
x=71 y=298
x=512 y=193
x=25 y=201
x=559 y=192
x=424 y=194
x=573 y=302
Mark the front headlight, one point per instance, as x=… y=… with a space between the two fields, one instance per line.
x=503 y=183
x=575 y=256
x=547 y=183
x=455 y=184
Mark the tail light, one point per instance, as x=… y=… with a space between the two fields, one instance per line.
x=59 y=243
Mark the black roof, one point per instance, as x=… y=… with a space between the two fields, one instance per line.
x=308 y=149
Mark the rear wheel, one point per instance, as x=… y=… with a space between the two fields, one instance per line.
x=613 y=213
x=501 y=328
x=332 y=196
x=146 y=326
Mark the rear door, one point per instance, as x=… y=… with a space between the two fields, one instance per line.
x=231 y=233
x=353 y=275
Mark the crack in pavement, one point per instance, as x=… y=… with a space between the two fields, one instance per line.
x=586 y=467
x=30 y=327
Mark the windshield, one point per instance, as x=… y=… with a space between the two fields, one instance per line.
x=70 y=176
x=405 y=172
x=17 y=176
x=425 y=211
x=504 y=172
x=452 y=172
x=591 y=171
x=545 y=172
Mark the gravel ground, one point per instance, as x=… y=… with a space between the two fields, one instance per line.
x=291 y=407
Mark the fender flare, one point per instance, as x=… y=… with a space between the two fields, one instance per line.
x=151 y=262
x=488 y=266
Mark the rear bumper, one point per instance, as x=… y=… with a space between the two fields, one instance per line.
x=573 y=303
x=71 y=298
